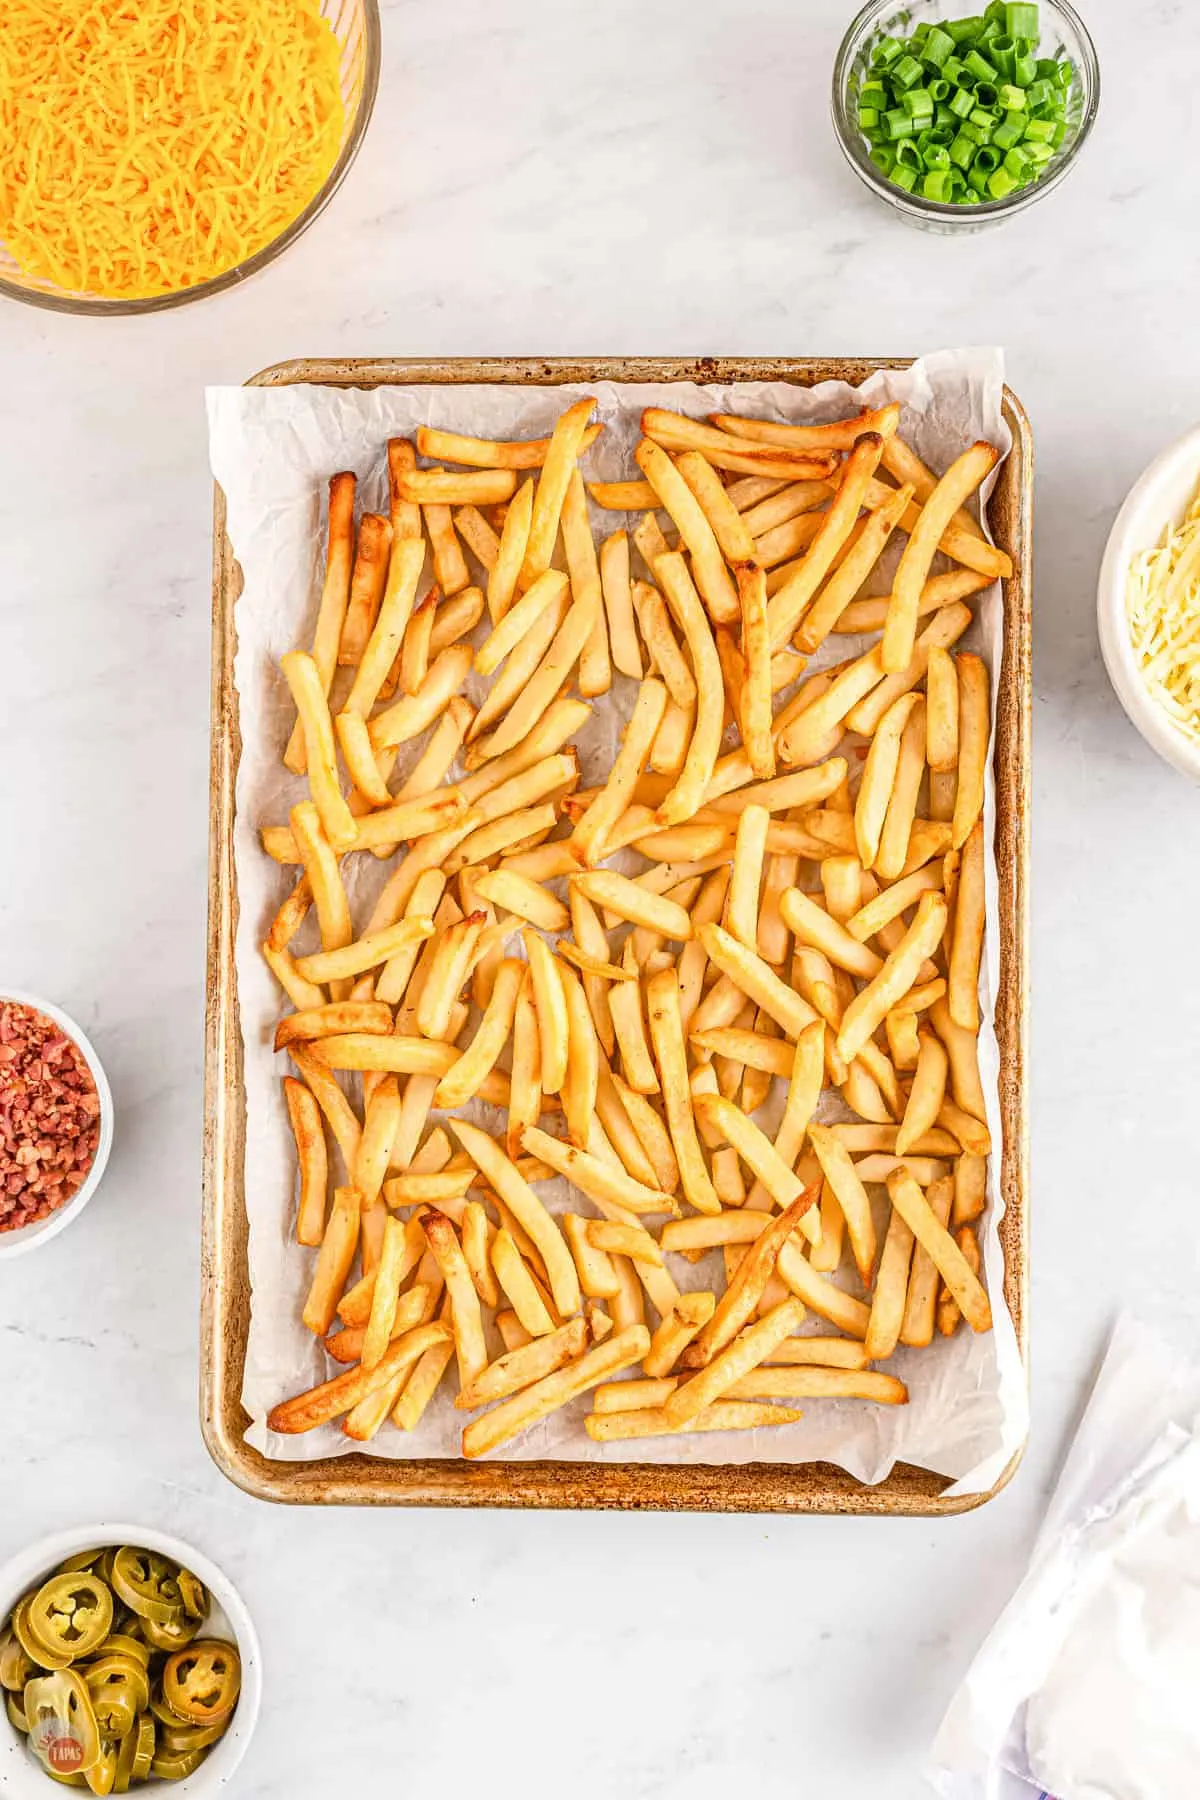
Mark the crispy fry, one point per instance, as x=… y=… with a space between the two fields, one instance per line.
x=952 y=1265
x=381 y=1324
x=304 y=1116
x=885 y=991
x=403 y=575
x=712 y=577
x=339 y=1114
x=662 y=649
x=945 y=628
x=335 y=598
x=843 y=583
x=558 y=465
x=758 y=1153
x=756 y=979
x=417 y=711
x=846 y=1184
x=970 y=1189
x=618 y=604
x=583 y=1059
x=455 y=618
x=623 y=496
x=689 y=1314
x=971 y=1133
x=818 y=1383
x=728 y=526
x=467 y=1321
x=325 y=1402
x=366 y=953
x=334 y=1260
x=478 y=535
x=812 y=925
x=879 y=778
x=307 y=690
x=549 y=590
x=592 y=830
x=510 y=557
x=666 y=1035
x=689 y=790
x=366 y=587
x=528 y=1210
x=602 y=1182
x=306 y=996
x=463 y=1081
x=741 y=906
x=487 y=453
x=483 y=488
x=789 y=603
x=554 y=1390
x=961 y=479
x=623 y=1240
x=375 y=1145
x=973 y=725
x=751 y=1347
x=920 y=1305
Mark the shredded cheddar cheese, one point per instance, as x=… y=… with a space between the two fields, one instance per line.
x=148 y=145
x=1163 y=603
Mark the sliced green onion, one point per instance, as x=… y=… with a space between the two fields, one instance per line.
x=984 y=121
x=868 y=118
x=1064 y=74
x=885 y=52
x=1001 y=184
x=883 y=159
x=962 y=151
x=1060 y=134
x=972 y=196
x=1016 y=161
x=873 y=93
x=940 y=89
x=1039 y=93
x=918 y=103
x=936 y=185
x=986 y=94
x=992 y=29
x=898 y=123
x=1024 y=68
x=1022 y=21
x=1008 y=132
x=1039 y=154
x=904 y=178
x=937 y=156
x=986 y=159
x=980 y=67
x=964 y=31
x=953 y=70
x=937 y=46
x=967 y=130
x=1040 y=131
x=1011 y=97
x=995 y=12
x=1003 y=53
x=962 y=103
x=905 y=72
x=908 y=154
x=943 y=116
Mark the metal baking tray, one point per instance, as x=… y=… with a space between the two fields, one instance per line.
x=225 y=1286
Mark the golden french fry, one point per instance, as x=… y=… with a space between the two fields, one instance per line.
x=338 y=1112
x=974 y=728
x=421 y=1386
x=747 y=1285
x=304 y=1116
x=756 y=979
x=926 y=1094
x=630 y=901
x=741 y=906
x=486 y=487
x=334 y=1260
x=675 y=431
x=526 y=899
x=892 y=855
x=375 y=1145
x=463 y=1081
x=966 y=942
x=418 y=637
x=809 y=735
x=818 y=1383
x=449 y=564
x=583 y=1059
x=952 y=1265
x=597 y=1276
x=747 y=1350
x=346 y=1344
x=617 y=1239
x=381 y=1324
x=623 y=496
x=766 y=502
x=712 y=577
x=843 y=583
x=878 y=780
x=756 y=648
x=850 y=1194
x=920 y=1305
x=307 y=690
x=970 y=1189
x=890 y=902
x=433 y=1187
x=758 y=1153
x=455 y=618
x=335 y=599
x=602 y=1182
x=527 y=1209
x=662 y=649
x=550 y=1001
x=689 y=1314
x=972 y=1133
x=554 y=1390
x=728 y=526
x=891 y=1291
x=478 y=535
x=366 y=586
x=417 y=711
x=722 y=1415
x=510 y=557
x=520 y=1286
x=326 y=1019
x=666 y=1035
x=549 y=590
x=558 y=465
x=618 y=603
x=945 y=628
x=939 y=591
x=325 y=1402
x=737 y=1227
x=595 y=666
x=885 y=991
x=812 y=925
x=774 y=1056
x=366 y=953
x=789 y=603
x=960 y=481
x=467 y=1321
x=841 y=434
x=593 y=828
x=526 y=1364
x=941 y=729
x=688 y=793
x=488 y=453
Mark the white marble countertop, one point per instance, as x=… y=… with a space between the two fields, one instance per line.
x=542 y=178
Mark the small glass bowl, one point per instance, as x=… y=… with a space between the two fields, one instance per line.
x=355 y=24
x=1061 y=28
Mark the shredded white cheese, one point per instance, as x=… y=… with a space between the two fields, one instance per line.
x=1162 y=601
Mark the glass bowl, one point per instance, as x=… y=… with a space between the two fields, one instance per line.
x=1062 y=29
x=355 y=24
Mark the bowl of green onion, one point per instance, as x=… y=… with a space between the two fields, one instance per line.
x=960 y=121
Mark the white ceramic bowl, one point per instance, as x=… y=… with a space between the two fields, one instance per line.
x=32 y=1237
x=1158 y=499
x=22 y=1777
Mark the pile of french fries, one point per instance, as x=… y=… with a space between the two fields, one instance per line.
x=799 y=903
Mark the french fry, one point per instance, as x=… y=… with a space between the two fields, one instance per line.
x=527 y=1209
x=879 y=777
x=941 y=730
x=926 y=1094
x=741 y=906
x=662 y=649
x=820 y=1352
x=844 y=582
x=403 y=575
x=722 y=1415
x=520 y=1286
x=604 y=1183
x=689 y=1314
x=434 y=1188
x=754 y=1048
x=747 y=1350
x=812 y=925
x=652 y=1134
x=334 y=1260
x=417 y=711
x=971 y=1133
x=630 y=901
x=892 y=854
x=549 y=590
x=550 y=1001
x=891 y=1290
x=939 y=591
x=850 y=1194
x=675 y=431
x=526 y=899
x=558 y=466
x=381 y=1323
x=595 y=666
x=375 y=1145
x=487 y=453
x=885 y=991
x=666 y=1035
x=765 y=503
x=758 y=1153
x=420 y=1386
x=818 y=1383
x=688 y=793
x=756 y=647
x=526 y=1365
x=463 y=1081
x=618 y=603
x=623 y=496
x=597 y=1277
x=583 y=1059
x=948 y=1310
x=711 y=575
x=966 y=940
x=593 y=828
x=469 y=1344
x=304 y=1116
x=736 y=1227
x=486 y=487
x=617 y=1239
x=728 y=526
x=756 y=979
x=335 y=598
x=478 y=535
x=331 y=1398
x=789 y=603
x=554 y=1390
x=960 y=481
x=346 y=1344
x=944 y=628
x=307 y=690
x=510 y=557
x=367 y=584
x=841 y=434
x=339 y=1114
x=328 y=1018
x=809 y=735
x=450 y=570
x=365 y=953
x=536 y=694
x=747 y=1285
x=867 y=920
x=625 y=1007
x=952 y=1265
x=970 y=1189
x=920 y=1306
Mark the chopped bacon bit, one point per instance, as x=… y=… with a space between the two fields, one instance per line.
x=49 y=1116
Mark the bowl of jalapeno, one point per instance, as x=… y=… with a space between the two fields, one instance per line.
x=126 y=1659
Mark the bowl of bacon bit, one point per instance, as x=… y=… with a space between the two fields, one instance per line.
x=56 y=1122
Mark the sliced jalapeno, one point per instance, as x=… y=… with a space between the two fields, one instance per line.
x=117 y=1643
x=16 y=1667
x=42 y=1654
x=166 y=1715
x=143 y=1751
x=194 y=1595
x=120 y=1690
x=175 y=1768
x=146 y=1582
x=71 y=1614
x=202 y=1683
x=16 y=1713
x=191 y=1737
x=67 y=1780
x=102 y=1775
x=174 y=1636
x=82 y=1559
x=63 y=1733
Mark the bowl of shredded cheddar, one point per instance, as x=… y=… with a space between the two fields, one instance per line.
x=155 y=151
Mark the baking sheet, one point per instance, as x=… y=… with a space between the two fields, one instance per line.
x=273 y=451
